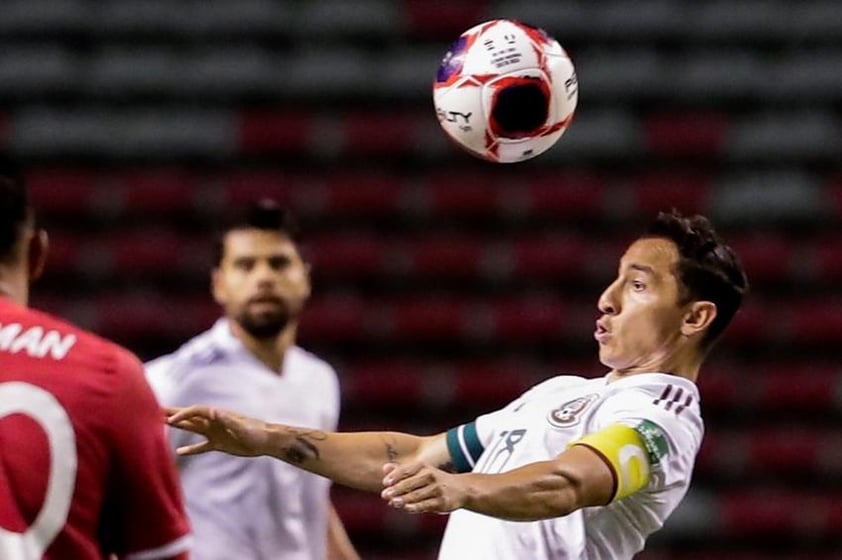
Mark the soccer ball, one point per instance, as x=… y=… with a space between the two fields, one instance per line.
x=505 y=91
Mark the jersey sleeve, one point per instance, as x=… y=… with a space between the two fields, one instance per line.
x=334 y=400
x=669 y=435
x=467 y=442
x=160 y=379
x=146 y=517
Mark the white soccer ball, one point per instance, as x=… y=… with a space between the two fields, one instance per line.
x=505 y=91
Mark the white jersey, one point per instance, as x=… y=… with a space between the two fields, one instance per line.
x=539 y=426
x=250 y=508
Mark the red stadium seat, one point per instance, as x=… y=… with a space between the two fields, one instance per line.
x=137 y=316
x=443 y=19
x=347 y=256
x=687 y=192
x=269 y=131
x=385 y=383
x=827 y=254
x=765 y=257
x=492 y=384
x=686 y=134
x=430 y=317
x=445 y=256
x=361 y=194
x=67 y=253
x=575 y=195
x=817 y=321
x=773 y=451
x=462 y=194
x=539 y=318
x=334 y=318
x=158 y=190
x=813 y=387
x=769 y=513
x=64 y=191
x=797 y=386
x=389 y=133
x=551 y=257
x=361 y=513
x=157 y=251
x=752 y=323
x=245 y=187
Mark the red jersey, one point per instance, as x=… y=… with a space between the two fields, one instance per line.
x=85 y=470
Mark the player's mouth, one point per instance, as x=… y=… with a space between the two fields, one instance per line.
x=267 y=303
x=601 y=334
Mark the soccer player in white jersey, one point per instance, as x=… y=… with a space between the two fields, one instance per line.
x=574 y=468
x=249 y=361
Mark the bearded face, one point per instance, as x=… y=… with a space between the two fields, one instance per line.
x=262 y=282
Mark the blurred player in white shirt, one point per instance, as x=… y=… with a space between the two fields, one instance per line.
x=256 y=509
x=574 y=468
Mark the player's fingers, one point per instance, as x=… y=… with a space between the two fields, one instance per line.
x=408 y=485
x=195 y=448
x=433 y=504
x=179 y=414
x=196 y=425
x=399 y=472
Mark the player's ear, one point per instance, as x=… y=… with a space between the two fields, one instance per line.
x=699 y=316
x=217 y=287
x=39 y=245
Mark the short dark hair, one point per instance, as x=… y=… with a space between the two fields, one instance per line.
x=264 y=214
x=707 y=269
x=15 y=210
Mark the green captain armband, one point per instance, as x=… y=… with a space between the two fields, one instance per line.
x=464 y=447
x=629 y=452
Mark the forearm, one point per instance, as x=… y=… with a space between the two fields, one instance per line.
x=351 y=459
x=537 y=491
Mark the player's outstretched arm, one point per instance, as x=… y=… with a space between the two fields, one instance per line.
x=575 y=479
x=352 y=459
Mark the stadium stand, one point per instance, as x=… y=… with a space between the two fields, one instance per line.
x=444 y=285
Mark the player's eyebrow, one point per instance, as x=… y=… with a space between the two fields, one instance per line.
x=643 y=268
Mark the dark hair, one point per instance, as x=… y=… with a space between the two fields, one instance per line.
x=264 y=214
x=14 y=206
x=707 y=269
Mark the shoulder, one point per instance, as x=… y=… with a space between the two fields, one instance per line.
x=166 y=372
x=665 y=392
x=200 y=350
x=556 y=383
x=670 y=402
x=314 y=365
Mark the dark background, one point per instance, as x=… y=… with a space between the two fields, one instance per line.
x=444 y=285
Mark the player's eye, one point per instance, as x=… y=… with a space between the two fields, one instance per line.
x=244 y=264
x=279 y=263
x=638 y=286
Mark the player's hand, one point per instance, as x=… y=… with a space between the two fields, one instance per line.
x=420 y=488
x=225 y=431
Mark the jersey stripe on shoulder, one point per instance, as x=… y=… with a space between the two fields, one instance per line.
x=464 y=446
x=674 y=396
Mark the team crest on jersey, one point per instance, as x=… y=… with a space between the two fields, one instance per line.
x=571 y=412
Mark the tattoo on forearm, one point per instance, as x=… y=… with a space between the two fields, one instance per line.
x=391 y=452
x=302 y=447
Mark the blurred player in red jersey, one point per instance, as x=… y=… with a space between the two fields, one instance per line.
x=85 y=471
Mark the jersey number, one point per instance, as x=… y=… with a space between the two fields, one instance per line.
x=43 y=408
x=498 y=458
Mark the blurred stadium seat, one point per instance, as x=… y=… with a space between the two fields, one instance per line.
x=444 y=286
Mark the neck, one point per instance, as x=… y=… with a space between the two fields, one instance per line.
x=270 y=351
x=12 y=289
x=684 y=363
